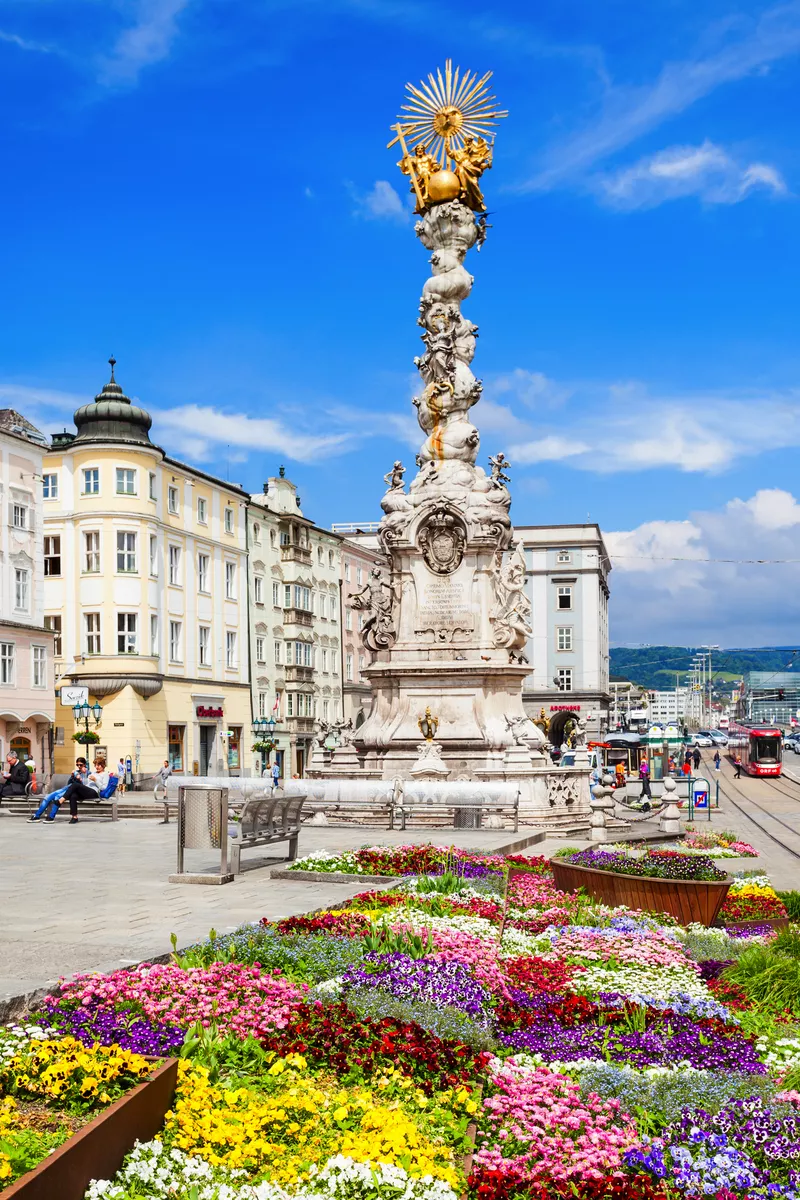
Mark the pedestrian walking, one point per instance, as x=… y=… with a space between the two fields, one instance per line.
x=737 y=762
x=619 y=775
x=96 y=782
x=717 y=760
x=120 y=774
x=50 y=803
x=16 y=778
x=696 y=759
x=644 y=776
x=276 y=775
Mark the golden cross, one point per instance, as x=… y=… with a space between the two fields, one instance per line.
x=400 y=138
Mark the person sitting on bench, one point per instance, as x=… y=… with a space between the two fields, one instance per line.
x=96 y=782
x=50 y=803
x=17 y=777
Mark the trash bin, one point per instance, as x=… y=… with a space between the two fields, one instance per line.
x=202 y=825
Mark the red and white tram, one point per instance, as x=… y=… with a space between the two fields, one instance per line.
x=758 y=747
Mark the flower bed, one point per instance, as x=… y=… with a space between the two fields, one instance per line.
x=593 y=1051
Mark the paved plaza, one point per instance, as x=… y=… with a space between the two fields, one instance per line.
x=95 y=896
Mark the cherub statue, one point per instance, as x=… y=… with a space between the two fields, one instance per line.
x=394 y=478
x=499 y=465
x=543 y=721
x=470 y=161
x=420 y=166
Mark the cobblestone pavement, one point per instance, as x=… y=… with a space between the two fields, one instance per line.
x=95 y=896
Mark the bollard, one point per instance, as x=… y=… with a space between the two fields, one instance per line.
x=670 y=820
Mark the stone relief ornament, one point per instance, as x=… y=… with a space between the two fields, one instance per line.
x=442 y=539
x=377 y=599
x=511 y=612
x=523 y=731
x=562 y=791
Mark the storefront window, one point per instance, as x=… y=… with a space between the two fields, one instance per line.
x=175 y=740
x=233 y=747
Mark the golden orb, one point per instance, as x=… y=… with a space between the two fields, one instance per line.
x=443 y=185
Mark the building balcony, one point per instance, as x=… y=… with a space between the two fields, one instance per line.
x=297 y=616
x=300 y=724
x=299 y=674
x=296 y=553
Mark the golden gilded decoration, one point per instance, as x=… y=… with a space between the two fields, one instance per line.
x=449 y=119
x=428 y=725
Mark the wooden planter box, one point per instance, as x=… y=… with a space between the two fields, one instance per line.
x=97 y=1150
x=773 y=922
x=685 y=899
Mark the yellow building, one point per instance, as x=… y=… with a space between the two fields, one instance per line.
x=149 y=608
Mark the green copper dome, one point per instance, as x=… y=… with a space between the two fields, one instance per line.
x=112 y=417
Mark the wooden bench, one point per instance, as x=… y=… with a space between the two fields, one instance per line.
x=266 y=818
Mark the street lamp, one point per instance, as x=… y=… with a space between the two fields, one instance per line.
x=82 y=712
x=263 y=728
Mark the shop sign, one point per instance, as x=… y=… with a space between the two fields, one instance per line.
x=565 y=708
x=70 y=696
x=203 y=711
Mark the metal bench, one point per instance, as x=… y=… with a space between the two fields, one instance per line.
x=266 y=818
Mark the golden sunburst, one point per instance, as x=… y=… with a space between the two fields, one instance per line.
x=446 y=110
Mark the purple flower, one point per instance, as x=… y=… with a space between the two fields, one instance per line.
x=110 y=1026
x=443 y=983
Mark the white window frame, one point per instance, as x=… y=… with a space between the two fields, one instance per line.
x=55 y=628
x=228 y=520
x=91 y=481
x=278 y=655
x=175 y=557
x=325 y=662
x=204 y=573
x=276 y=595
x=230 y=650
x=564 y=591
x=564 y=556
x=91 y=552
x=176 y=641
x=204 y=645
x=565 y=679
x=258 y=589
x=230 y=580
x=127 y=551
x=154 y=635
x=126 y=475
x=19 y=515
x=151 y=486
x=348 y=618
x=128 y=632
x=153 y=556
x=22 y=589
x=8 y=664
x=261 y=654
x=262 y=704
x=202 y=510
x=348 y=668
x=50 y=538
x=173 y=500
x=564 y=640
x=92 y=632
x=50 y=485
x=334 y=608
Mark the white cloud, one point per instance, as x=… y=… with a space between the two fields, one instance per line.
x=770 y=508
x=706 y=171
x=21 y=43
x=20 y=396
x=147 y=41
x=684 y=581
x=201 y=429
x=628 y=112
x=531 y=387
x=382 y=203
x=551 y=448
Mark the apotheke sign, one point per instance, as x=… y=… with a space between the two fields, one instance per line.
x=565 y=708
x=202 y=711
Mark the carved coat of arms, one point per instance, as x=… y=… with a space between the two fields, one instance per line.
x=442 y=540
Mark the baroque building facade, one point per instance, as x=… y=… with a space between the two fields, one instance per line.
x=295 y=623
x=358 y=561
x=27 y=706
x=150 y=594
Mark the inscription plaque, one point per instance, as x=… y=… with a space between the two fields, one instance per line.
x=444 y=604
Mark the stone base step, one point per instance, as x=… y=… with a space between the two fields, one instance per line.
x=87 y=809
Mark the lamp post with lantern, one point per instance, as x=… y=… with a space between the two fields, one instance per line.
x=82 y=712
x=264 y=743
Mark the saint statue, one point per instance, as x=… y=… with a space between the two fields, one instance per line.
x=420 y=166
x=469 y=163
x=376 y=599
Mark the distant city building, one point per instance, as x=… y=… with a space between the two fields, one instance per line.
x=27 y=705
x=668 y=706
x=772 y=697
x=295 y=622
x=568 y=568
x=146 y=592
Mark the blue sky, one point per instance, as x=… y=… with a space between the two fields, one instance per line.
x=202 y=188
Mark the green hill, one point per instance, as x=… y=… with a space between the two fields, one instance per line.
x=656 y=666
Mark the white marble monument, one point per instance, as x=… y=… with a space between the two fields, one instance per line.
x=448 y=617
